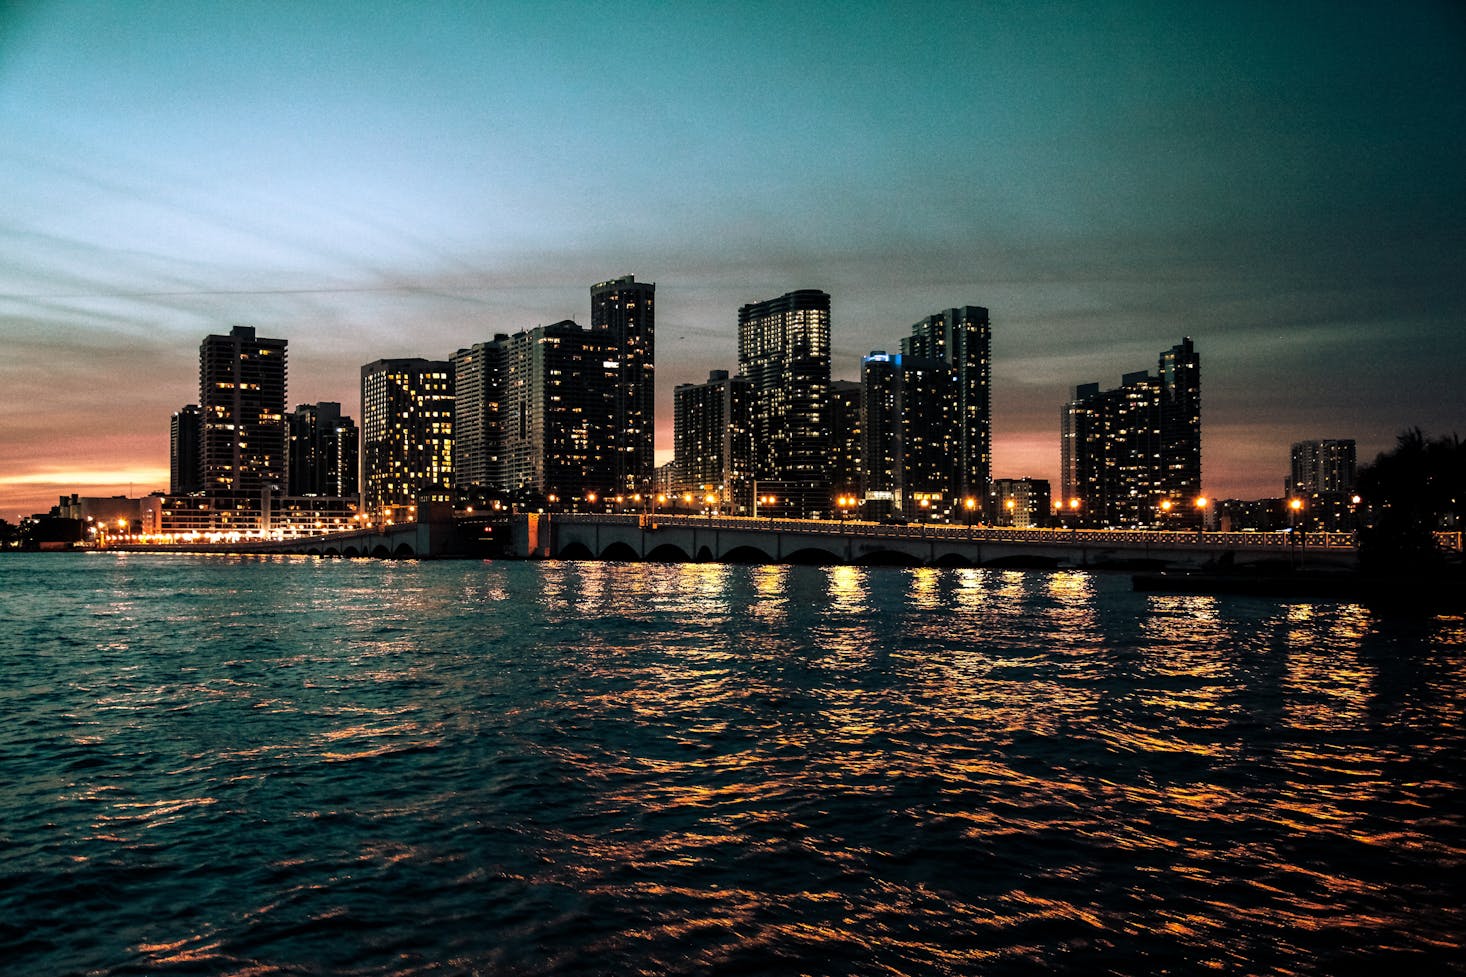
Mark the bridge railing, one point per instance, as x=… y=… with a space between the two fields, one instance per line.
x=1281 y=541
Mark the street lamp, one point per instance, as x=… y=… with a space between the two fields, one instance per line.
x=765 y=500
x=1295 y=506
x=1201 y=503
x=970 y=504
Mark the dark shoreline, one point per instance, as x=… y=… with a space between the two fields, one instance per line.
x=1443 y=591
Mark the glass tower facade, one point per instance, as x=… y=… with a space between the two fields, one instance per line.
x=784 y=351
x=242 y=397
x=623 y=314
x=1131 y=457
x=406 y=432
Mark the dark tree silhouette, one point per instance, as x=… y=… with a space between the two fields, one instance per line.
x=1409 y=493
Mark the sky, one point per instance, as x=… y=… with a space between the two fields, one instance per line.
x=1284 y=183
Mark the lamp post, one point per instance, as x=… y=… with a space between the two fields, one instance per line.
x=1201 y=503
x=765 y=500
x=1295 y=506
x=970 y=504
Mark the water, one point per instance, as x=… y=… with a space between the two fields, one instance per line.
x=214 y=765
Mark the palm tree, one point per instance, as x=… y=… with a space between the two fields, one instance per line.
x=1410 y=493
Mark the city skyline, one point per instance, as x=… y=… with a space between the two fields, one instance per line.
x=1102 y=180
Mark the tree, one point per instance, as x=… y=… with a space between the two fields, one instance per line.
x=1410 y=493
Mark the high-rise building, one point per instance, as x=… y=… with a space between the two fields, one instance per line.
x=846 y=435
x=185 y=469
x=1132 y=456
x=908 y=416
x=1323 y=467
x=784 y=351
x=713 y=439
x=623 y=311
x=555 y=413
x=406 y=432
x=962 y=338
x=242 y=397
x=1179 y=373
x=322 y=451
x=478 y=433
x=1022 y=503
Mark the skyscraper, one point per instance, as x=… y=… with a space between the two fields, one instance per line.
x=908 y=414
x=623 y=310
x=1322 y=467
x=322 y=451
x=555 y=413
x=962 y=338
x=478 y=431
x=713 y=439
x=846 y=437
x=242 y=397
x=1179 y=372
x=784 y=351
x=1132 y=456
x=185 y=470
x=406 y=432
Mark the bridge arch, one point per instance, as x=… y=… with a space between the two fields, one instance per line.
x=575 y=551
x=668 y=553
x=351 y=552
x=381 y=552
x=1024 y=561
x=953 y=560
x=747 y=554
x=619 y=551
x=404 y=551
x=332 y=551
x=813 y=556
x=888 y=558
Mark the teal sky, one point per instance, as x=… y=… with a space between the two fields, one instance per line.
x=1285 y=183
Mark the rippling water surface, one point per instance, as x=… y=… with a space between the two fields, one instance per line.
x=294 y=766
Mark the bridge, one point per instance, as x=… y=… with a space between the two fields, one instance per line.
x=663 y=537
x=738 y=539
x=442 y=538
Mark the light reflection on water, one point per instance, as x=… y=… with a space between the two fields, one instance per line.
x=259 y=766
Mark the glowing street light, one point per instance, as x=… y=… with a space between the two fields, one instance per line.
x=1295 y=506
